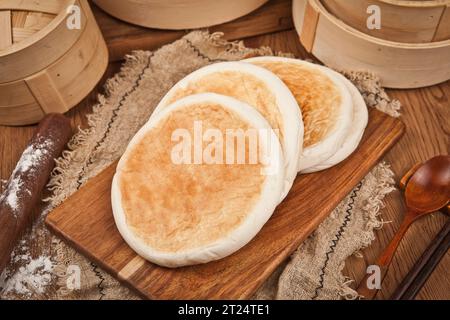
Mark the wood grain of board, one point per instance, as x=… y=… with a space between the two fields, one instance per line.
x=87 y=214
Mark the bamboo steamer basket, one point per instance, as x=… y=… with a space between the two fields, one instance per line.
x=44 y=65
x=401 y=20
x=178 y=14
x=399 y=65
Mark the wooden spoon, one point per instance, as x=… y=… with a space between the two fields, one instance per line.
x=427 y=191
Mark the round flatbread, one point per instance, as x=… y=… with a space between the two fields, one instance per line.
x=259 y=88
x=359 y=124
x=325 y=103
x=174 y=210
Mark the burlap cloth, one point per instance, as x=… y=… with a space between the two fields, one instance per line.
x=314 y=271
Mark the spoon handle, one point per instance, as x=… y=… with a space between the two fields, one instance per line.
x=366 y=289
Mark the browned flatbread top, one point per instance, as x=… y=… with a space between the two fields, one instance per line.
x=174 y=207
x=318 y=97
x=241 y=86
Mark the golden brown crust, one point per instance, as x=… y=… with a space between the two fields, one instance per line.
x=177 y=207
x=239 y=85
x=319 y=99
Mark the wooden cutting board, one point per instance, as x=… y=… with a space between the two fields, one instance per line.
x=86 y=222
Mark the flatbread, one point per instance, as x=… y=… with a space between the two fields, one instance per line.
x=259 y=88
x=359 y=124
x=177 y=214
x=325 y=103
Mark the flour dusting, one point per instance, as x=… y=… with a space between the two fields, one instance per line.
x=31 y=158
x=33 y=277
x=33 y=155
x=12 y=198
x=27 y=274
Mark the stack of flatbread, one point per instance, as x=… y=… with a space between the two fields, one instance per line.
x=222 y=150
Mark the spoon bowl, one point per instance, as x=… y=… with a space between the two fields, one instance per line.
x=428 y=189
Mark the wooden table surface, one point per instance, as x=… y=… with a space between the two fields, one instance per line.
x=426 y=113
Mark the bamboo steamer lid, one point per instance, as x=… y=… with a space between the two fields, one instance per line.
x=401 y=20
x=399 y=65
x=45 y=66
x=178 y=14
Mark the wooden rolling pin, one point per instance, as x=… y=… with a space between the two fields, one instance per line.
x=28 y=180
